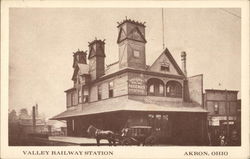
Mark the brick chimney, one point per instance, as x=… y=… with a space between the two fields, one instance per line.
x=34 y=119
x=96 y=58
x=36 y=110
x=183 y=59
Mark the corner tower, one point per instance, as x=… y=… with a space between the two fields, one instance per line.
x=131 y=41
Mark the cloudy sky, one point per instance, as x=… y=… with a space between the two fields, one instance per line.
x=42 y=42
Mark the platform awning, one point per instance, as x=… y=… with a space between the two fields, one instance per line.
x=125 y=104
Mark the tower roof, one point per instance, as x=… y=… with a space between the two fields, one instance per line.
x=132 y=22
x=79 y=52
x=97 y=41
x=97 y=49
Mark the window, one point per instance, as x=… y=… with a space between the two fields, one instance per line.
x=99 y=93
x=111 y=89
x=174 y=89
x=136 y=53
x=216 y=108
x=85 y=94
x=151 y=89
x=73 y=124
x=79 y=96
x=164 y=68
x=161 y=90
x=168 y=89
x=74 y=98
x=158 y=121
x=69 y=99
x=165 y=65
x=165 y=117
x=155 y=87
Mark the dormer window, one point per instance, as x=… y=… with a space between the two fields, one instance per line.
x=165 y=68
x=165 y=65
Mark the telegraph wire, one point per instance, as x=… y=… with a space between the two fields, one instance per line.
x=231 y=13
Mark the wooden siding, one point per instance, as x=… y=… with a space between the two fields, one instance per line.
x=123 y=55
x=93 y=93
x=120 y=87
x=136 y=62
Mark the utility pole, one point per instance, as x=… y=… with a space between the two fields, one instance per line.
x=34 y=118
x=162 y=16
x=227 y=111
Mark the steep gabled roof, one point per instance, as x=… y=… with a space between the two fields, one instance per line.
x=75 y=73
x=172 y=60
x=82 y=69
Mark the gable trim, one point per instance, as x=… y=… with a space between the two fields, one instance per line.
x=171 y=59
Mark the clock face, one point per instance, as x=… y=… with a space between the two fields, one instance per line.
x=136 y=53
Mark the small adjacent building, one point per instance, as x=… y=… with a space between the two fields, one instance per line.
x=223 y=107
x=130 y=93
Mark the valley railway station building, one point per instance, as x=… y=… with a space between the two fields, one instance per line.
x=130 y=93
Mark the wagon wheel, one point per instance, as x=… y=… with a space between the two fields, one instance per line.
x=130 y=141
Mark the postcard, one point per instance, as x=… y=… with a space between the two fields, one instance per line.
x=124 y=79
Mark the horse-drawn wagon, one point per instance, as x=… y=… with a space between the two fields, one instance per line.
x=133 y=135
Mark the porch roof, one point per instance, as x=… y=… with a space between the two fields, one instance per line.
x=123 y=103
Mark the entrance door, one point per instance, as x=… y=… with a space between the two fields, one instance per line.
x=161 y=123
x=165 y=126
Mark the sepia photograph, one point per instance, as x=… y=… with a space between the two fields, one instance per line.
x=124 y=77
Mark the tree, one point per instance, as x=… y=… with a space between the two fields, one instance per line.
x=23 y=113
x=12 y=116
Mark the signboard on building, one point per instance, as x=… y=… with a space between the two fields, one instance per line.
x=215 y=121
x=137 y=86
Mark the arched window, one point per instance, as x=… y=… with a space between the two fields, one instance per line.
x=174 y=89
x=155 y=87
x=151 y=89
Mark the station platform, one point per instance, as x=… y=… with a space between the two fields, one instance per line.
x=77 y=140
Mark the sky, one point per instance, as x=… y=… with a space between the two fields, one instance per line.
x=42 y=42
